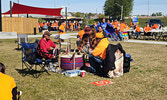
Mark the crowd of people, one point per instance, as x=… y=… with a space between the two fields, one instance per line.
x=94 y=41
x=55 y=25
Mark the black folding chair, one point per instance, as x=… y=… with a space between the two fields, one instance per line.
x=30 y=62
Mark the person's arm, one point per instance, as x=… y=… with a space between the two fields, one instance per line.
x=97 y=28
x=110 y=25
x=14 y=89
x=52 y=44
x=14 y=93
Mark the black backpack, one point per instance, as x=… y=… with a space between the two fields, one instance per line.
x=126 y=65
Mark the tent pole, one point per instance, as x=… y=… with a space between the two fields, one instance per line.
x=10 y=8
x=27 y=15
x=0 y=18
x=66 y=17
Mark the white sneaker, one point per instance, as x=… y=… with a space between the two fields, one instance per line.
x=56 y=64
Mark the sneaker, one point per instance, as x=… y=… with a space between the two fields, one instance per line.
x=56 y=64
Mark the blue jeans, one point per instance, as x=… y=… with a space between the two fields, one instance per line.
x=137 y=34
x=95 y=63
x=120 y=35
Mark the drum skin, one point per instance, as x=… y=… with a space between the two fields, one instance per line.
x=67 y=63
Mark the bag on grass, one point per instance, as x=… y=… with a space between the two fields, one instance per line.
x=126 y=65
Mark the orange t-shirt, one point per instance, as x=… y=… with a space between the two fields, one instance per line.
x=41 y=24
x=147 y=29
x=155 y=26
x=138 y=29
x=122 y=27
x=100 y=49
x=7 y=83
x=81 y=33
x=131 y=24
x=62 y=27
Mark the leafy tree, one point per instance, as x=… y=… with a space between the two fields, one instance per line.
x=112 y=9
x=157 y=14
x=153 y=14
x=91 y=21
x=77 y=14
x=83 y=23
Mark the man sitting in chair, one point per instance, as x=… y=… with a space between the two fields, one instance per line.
x=46 y=46
x=47 y=50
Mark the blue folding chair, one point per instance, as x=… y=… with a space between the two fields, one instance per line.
x=33 y=64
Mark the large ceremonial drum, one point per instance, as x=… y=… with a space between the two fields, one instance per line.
x=68 y=63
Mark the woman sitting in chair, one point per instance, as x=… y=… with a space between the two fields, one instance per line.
x=46 y=46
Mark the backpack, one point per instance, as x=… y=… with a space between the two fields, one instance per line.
x=126 y=65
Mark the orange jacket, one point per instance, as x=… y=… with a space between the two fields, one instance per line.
x=138 y=29
x=155 y=26
x=100 y=49
x=81 y=33
x=147 y=29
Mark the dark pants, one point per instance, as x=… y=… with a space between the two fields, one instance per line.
x=96 y=63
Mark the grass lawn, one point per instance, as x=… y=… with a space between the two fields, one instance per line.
x=147 y=78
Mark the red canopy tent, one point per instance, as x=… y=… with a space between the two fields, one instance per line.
x=23 y=9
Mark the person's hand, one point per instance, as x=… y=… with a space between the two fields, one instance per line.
x=90 y=49
x=58 y=48
x=78 y=39
x=53 y=56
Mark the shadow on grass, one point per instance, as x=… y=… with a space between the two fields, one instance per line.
x=25 y=72
x=17 y=49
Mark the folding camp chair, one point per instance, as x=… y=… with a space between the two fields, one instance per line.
x=31 y=61
x=21 y=38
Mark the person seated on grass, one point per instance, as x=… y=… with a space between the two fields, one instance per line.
x=98 y=54
x=138 y=31
x=8 y=89
x=85 y=41
x=147 y=30
x=79 y=37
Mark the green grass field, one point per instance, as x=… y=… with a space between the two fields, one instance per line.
x=147 y=78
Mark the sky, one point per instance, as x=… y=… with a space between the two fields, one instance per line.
x=94 y=6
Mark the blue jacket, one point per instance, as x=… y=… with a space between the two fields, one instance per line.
x=108 y=28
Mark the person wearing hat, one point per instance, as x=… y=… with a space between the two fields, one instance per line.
x=84 y=38
x=46 y=45
x=98 y=54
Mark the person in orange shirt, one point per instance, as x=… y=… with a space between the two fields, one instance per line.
x=53 y=26
x=116 y=24
x=79 y=37
x=62 y=28
x=138 y=31
x=131 y=24
x=98 y=54
x=8 y=89
x=147 y=30
x=71 y=26
x=122 y=29
x=155 y=26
